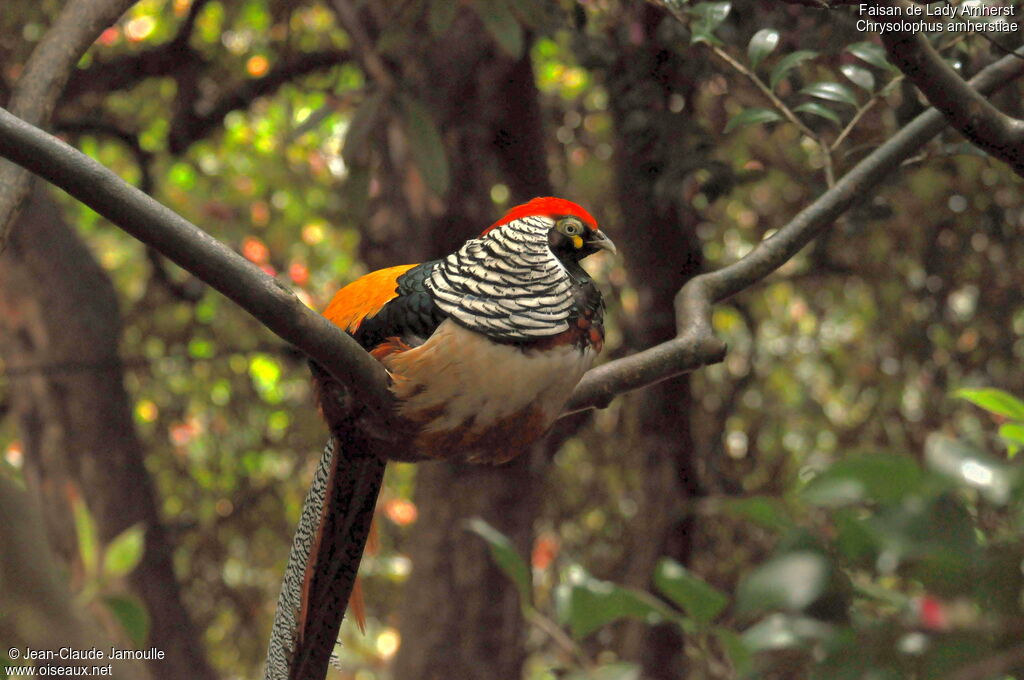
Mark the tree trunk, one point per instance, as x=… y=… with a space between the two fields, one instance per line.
x=461 y=616
x=655 y=150
x=59 y=331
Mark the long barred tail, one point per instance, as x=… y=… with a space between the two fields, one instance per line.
x=282 y=635
x=324 y=561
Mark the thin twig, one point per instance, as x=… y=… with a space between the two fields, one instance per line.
x=765 y=90
x=883 y=91
x=188 y=128
x=790 y=115
x=555 y=632
x=375 y=66
x=845 y=132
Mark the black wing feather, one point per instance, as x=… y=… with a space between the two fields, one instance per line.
x=412 y=316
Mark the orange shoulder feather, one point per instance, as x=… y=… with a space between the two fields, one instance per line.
x=364 y=297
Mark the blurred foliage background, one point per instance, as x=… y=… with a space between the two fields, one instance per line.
x=838 y=499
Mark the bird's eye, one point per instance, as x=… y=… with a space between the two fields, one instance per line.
x=570 y=227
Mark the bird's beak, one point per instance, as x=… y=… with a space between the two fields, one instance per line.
x=599 y=241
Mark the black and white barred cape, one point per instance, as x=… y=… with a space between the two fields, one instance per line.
x=507 y=284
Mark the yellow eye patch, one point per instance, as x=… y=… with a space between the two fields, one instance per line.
x=577 y=241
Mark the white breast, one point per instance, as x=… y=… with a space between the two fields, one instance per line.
x=459 y=376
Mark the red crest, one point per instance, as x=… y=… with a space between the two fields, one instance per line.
x=548 y=206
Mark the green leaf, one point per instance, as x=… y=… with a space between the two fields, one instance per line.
x=970 y=467
x=503 y=26
x=702 y=36
x=615 y=671
x=816 y=109
x=783 y=631
x=85 y=528
x=363 y=123
x=125 y=552
x=765 y=511
x=883 y=478
x=586 y=604
x=861 y=77
x=505 y=556
x=834 y=92
x=426 y=145
x=941 y=546
x=751 y=117
x=853 y=536
x=1013 y=435
x=761 y=45
x=131 y=614
x=871 y=53
x=699 y=600
x=787 y=64
x=441 y=15
x=994 y=401
x=791 y=581
x=710 y=15
x=740 y=655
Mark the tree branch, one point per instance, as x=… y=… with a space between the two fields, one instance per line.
x=348 y=17
x=43 y=79
x=275 y=306
x=205 y=257
x=100 y=128
x=993 y=131
x=184 y=33
x=196 y=125
x=190 y=290
x=696 y=345
x=126 y=70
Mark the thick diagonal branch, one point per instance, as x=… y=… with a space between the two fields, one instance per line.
x=43 y=79
x=696 y=344
x=964 y=107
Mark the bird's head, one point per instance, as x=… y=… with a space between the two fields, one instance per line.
x=573 y=234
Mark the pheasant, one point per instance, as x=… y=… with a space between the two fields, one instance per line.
x=483 y=348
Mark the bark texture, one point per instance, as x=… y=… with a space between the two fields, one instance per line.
x=59 y=332
x=655 y=153
x=461 y=615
